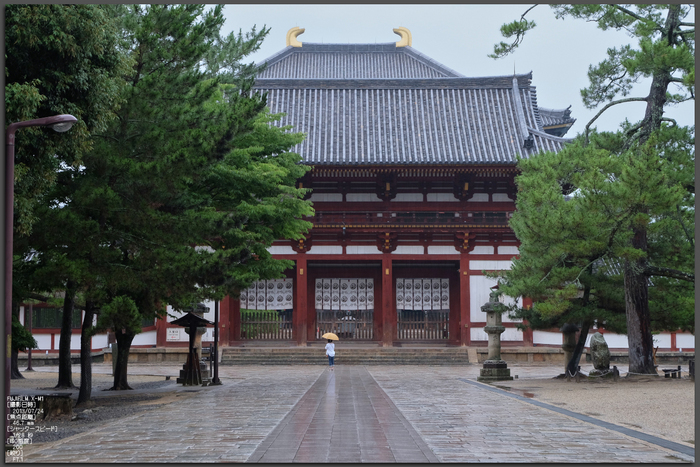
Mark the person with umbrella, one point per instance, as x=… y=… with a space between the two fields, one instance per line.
x=330 y=348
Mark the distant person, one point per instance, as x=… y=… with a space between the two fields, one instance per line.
x=330 y=351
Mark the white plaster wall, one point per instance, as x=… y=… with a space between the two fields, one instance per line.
x=408 y=250
x=614 y=341
x=441 y=250
x=662 y=340
x=328 y=197
x=171 y=311
x=500 y=197
x=361 y=197
x=402 y=197
x=442 y=197
x=479 y=290
x=362 y=250
x=74 y=340
x=21 y=315
x=99 y=341
x=508 y=250
x=489 y=265
x=512 y=334
x=44 y=341
x=482 y=250
x=546 y=337
x=685 y=341
x=145 y=338
x=479 y=198
x=281 y=250
x=478 y=334
x=325 y=250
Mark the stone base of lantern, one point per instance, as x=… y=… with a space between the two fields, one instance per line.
x=494 y=371
x=204 y=370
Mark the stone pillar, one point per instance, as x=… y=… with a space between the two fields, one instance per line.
x=568 y=345
x=494 y=368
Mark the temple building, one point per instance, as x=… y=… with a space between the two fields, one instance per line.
x=412 y=186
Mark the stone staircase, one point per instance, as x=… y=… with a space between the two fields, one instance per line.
x=346 y=355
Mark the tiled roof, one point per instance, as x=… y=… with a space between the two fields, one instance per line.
x=556 y=117
x=372 y=112
x=352 y=61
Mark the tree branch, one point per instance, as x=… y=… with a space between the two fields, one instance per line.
x=621 y=101
x=633 y=14
x=666 y=119
x=45 y=299
x=522 y=17
x=687 y=234
x=668 y=272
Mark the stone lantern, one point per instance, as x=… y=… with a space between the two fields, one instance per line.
x=494 y=368
x=198 y=310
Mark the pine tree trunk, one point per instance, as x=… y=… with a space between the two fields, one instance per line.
x=120 y=373
x=572 y=366
x=65 y=371
x=641 y=342
x=14 y=365
x=86 y=356
x=14 y=354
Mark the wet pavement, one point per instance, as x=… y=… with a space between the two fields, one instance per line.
x=354 y=414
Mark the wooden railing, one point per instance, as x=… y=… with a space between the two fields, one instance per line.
x=407 y=218
x=266 y=324
x=353 y=325
x=423 y=325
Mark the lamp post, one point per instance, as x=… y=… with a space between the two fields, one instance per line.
x=215 y=380
x=59 y=123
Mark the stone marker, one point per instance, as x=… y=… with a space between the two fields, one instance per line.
x=600 y=354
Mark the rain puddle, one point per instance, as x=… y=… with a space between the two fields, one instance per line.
x=520 y=392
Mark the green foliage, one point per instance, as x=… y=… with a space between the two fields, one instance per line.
x=120 y=314
x=573 y=247
x=517 y=29
x=22 y=339
x=191 y=159
x=59 y=59
x=664 y=52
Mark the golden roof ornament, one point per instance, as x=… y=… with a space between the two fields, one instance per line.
x=405 y=34
x=292 y=36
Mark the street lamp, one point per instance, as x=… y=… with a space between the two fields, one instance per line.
x=60 y=123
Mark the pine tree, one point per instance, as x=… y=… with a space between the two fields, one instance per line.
x=191 y=161
x=665 y=57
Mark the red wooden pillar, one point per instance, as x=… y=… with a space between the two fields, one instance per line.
x=388 y=315
x=464 y=295
x=161 y=331
x=226 y=318
x=300 y=316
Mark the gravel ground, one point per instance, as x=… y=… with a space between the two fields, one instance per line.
x=663 y=407
x=105 y=405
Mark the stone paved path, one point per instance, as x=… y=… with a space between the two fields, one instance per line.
x=470 y=423
x=344 y=417
x=354 y=414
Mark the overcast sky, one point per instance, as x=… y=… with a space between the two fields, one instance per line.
x=558 y=52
